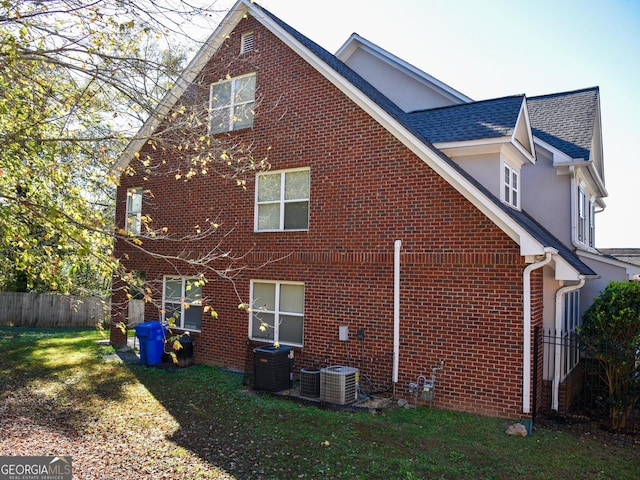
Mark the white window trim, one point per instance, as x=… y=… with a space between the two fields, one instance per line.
x=585 y=217
x=180 y=322
x=232 y=107
x=135 y=225
x=572 y=321
x=282 y=202
x=582 y=214
x=276 y=313
x=512 y=189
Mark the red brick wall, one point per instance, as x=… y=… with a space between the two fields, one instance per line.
x=461 y=277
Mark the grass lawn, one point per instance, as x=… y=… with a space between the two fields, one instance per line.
x=58 y=396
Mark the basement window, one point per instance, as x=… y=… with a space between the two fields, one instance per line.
x=182 y=302
x=277 y=312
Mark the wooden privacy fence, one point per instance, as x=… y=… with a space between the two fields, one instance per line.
x=50 y=310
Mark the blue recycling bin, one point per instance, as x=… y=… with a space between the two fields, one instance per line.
x=151 y=336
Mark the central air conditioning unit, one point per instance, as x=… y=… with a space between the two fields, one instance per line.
x=339 y=385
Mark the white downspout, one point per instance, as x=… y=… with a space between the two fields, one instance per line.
x=396 y=308
x=555 y=399
x=526 y=326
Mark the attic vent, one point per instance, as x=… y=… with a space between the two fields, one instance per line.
x=247 y=43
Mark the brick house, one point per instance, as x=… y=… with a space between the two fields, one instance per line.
x=393 y=205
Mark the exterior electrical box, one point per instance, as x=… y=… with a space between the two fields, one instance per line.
x=272 y=368
x=339 y=384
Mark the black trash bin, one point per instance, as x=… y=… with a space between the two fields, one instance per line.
x=272 y=368
x=184 y=356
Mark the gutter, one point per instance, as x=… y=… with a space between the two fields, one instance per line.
x=526 y=327
x=558 y=351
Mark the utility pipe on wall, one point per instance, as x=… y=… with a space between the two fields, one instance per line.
x=396 y=308
x=555 y=398
x=526 y=334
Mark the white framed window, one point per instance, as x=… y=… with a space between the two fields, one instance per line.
x=572 y=322
x=182 y=302
x=134 y=211
x=582 y=215
x=277 y=312
x=246 y=43
x=282 y=200
x=231 y=104
x=586 y=218
x=511 y=186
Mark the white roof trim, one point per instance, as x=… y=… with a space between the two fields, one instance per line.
x=191 y=71
x=482 y=146
x=528 y=244
x=562 y=160
x=564 y=271
x=528 y=149
x=631 y=269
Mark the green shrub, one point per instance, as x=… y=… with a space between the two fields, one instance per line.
x=611 y=334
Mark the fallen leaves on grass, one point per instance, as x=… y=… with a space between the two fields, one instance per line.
x=111 y=429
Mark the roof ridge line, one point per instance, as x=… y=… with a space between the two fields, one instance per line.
x=569 y=92
x=475 y=102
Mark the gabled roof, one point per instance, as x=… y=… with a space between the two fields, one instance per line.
x=531 y=236
x=495 y=118
x=570 y=123
x=500 y=121
x=566 y=120
x=527 y=223
x=386 y=71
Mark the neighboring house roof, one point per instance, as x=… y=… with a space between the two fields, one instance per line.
x=566 y=120
x=629 y=255
x=470 y=121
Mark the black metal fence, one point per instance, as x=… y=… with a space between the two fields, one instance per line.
x=591 y=389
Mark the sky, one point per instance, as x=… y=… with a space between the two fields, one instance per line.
x=495 y=48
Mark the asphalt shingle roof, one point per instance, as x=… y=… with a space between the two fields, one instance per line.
x=565 y=120
x=522 y=218
x=469 y=121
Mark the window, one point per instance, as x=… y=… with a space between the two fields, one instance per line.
x=246 y=45
x=277 y=312
x=134 y=211
x=582 y=215
x=570 y=353
x=182 y=302
x=511 y=186
x=282 y=200
x=231 y=104
x=586 y=218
